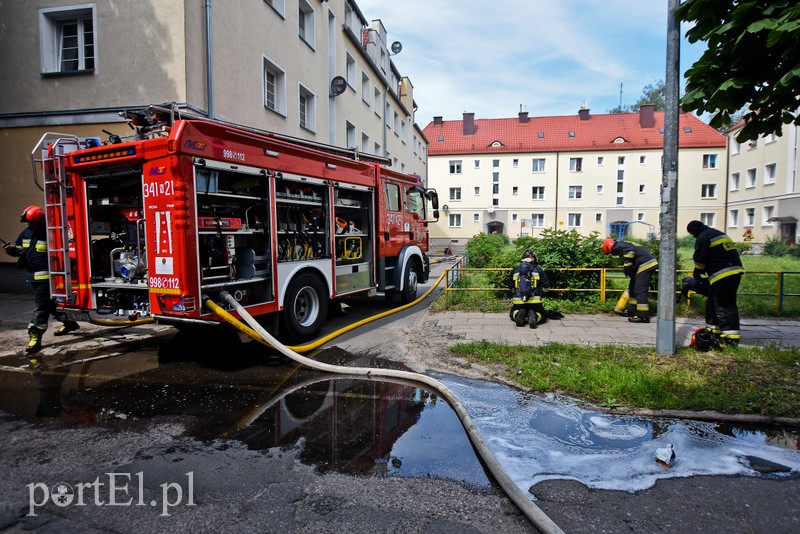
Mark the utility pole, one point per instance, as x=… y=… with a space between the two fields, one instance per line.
x=665 y=328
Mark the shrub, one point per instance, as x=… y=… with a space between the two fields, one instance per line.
x=794 y=250
x=776 y=247
x=482 y=248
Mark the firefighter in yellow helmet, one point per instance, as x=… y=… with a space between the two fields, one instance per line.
x=31 y=249
x=638 y=264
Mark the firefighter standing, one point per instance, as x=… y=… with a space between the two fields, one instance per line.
x=715 y=255
x=31 y=248
x=639 y=265
x=527 y=283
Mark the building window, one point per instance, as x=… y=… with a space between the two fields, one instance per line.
x=575 y=164
x=640 y=216
x=495 y=189
x=350 y=70
x=708 y=219
x=642 y=160
x=308 y=109
x=495 y=177
x=477 y=190
x=476 y=217
x=749 y=216
x=537 y=220
x=769 y=174
x=495 y=202
x=495 y=163
x=574 y=220
x=752 y=144
x=277 y=5
x=735 y=146
x=598 y=217
x=620 y=160
x=537 y=192
x=767 y=212
x=377 y=149
x=514 y=218
x=708 y=191
x=377 y=106
x=709 y=161
x=600 y=160
x=350 y=134
x=455 y=193
x=455 y=166
x=575 y=192
x=477 y=164
x=455 y=220
x=365 y=143
x=641 y=189
x=751 y=178
x=515 y=191
x=770 y=138
x=538 y=164
x=67 y=39
x=305 y=22
x=515 y=163
x=735 y=181
x=599 y=189
x=274 y=87
x=620 y=175
x=365 y=88
x=733 y=218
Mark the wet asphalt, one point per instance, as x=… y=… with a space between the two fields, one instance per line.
x=175 y=462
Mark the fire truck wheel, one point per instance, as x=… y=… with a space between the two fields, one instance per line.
x=304 y=308
x=410 y=281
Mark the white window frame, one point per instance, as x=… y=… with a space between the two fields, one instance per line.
x=377 y=99
x=537 y=192
x=733 y=218
x=514 y=190
x=538 y=165
x=735 y=178
x=455 y=166
x=365 y=86
x=278 y=83
x=600 y=189
x=350 y=70
x=575 y=164
x=515 y=162
x=350 y=134
x=306 y=28
x=455 y=194
x=710 y=161
x=310 y=111
x=641 y=189
x=600 y=161
x=454 y=220
x=365 y=142
x=279 y=6
x=767 y=212
x=708 y=191
x=495 y=163
x=574 y=220
x=514 y=218
x=770 y=173
x=537 y=220
x=752 y=179
x=708 y=218
x=477 y=164
x=642 y=160
x=575 y=192
x=476 y=217
x=749 y=217
x=598 y=217
x=477 y=190
x=51 y=44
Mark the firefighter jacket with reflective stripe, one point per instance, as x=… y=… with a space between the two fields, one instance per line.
x=716 y=255
x=32 y=248
x=538 y=283
x=635 y=259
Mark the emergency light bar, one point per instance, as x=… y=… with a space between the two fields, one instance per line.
x=105 y=155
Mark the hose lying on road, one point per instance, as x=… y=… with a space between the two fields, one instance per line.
x=539 y=519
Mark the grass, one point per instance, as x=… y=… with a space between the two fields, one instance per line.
x=747 y=380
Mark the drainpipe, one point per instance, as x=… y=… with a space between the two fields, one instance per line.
x=209 y=62
x=555 y=220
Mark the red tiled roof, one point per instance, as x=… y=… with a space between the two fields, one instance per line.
x=597 y=133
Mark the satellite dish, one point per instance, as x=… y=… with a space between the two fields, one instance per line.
x=490 y=209
x=397 y=46
x=446 y=207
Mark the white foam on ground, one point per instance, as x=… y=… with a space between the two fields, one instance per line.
x=538 y=438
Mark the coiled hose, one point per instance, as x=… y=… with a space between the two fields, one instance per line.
x=534 y=514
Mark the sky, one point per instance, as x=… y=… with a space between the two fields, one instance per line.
x=496 y=58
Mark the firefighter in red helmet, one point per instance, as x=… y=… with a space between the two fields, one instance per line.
x=31 y=249
x=638 y=264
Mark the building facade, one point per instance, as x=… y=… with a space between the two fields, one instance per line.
x=311 y=69
x=593 y=173
x=763 y=196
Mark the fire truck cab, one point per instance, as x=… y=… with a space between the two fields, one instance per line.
x=191 y=207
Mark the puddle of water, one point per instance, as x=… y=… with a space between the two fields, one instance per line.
x=538 y=438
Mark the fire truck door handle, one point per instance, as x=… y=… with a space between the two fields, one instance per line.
x=386 y=236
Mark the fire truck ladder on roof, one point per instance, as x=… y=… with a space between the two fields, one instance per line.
x=49 y=155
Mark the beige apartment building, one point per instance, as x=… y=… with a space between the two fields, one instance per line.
x=268 y=64
x=592 y=173
x=763 y=195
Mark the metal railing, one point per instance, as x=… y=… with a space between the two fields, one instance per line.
x=755 y=288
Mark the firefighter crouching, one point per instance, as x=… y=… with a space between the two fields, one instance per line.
x=638 y=264
x=715 y=255
x=527 y=283
x=31 y=249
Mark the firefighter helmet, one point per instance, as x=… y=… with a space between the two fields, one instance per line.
x=607 y=244
x=703 y=339
x=32 y=214
x=530 y=254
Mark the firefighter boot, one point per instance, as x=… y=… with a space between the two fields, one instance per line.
x=35 y=339
x=639 y=319
x=533 y=320
x=519 y=317
x=66 y=328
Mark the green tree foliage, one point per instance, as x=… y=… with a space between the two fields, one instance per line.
x=483 y=249
x=654 y=93
x=751 y=61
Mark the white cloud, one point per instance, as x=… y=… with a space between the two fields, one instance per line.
x=548 y=56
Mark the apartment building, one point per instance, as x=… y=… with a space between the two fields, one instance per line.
x=763 y=195
x=592 y=173
x=315 y=70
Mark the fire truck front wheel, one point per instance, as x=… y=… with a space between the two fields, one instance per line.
x=304 y=308
x=410 y=281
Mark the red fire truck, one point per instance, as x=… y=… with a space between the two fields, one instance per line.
x=151 y=227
